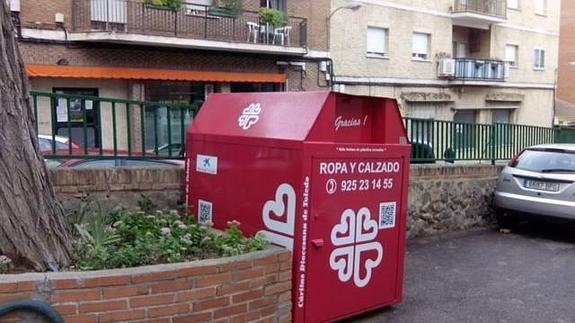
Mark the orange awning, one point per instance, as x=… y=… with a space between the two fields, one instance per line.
x=84 y=72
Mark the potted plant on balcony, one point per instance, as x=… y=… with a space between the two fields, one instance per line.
x=226 y=8
x=174 y=5
x=272 y=17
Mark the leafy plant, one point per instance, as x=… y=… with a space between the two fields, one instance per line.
x=168 y=4
x=274 y=17
x=126 y=239
x=234 y=7
x=145 y=203
x=5 y=264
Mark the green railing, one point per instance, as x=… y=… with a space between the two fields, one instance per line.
x=107 y=128
x=110 y=128
x=565 y=135
x=451 y=141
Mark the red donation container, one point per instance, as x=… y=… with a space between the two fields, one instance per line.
x=322 y=174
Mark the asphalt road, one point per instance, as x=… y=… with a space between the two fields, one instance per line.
x=486 y=276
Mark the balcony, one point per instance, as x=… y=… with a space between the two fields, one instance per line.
x=472 y=69
x=479 y=13
x=193 y=26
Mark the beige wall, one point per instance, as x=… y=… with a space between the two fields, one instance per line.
x=527 y=41
x=467 y=98
x=348 y=39
x=526 y=16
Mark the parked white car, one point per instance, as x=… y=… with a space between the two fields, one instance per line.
x=538 y=182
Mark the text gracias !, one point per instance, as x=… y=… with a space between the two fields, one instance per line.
x=331 y=168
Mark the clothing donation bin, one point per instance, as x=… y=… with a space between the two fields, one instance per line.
x=322 y=174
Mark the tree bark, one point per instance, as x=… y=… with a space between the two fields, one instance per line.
x=33 y=229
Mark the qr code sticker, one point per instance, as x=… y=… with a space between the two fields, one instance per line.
x=387 y=212
x=205 y=212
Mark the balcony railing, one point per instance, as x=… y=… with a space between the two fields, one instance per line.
x=495 y=8
x=479 y=69
x=192 y=21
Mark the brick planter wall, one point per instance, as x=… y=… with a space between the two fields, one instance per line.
x=252 y=287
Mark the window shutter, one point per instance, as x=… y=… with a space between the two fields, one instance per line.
x=420 y=43
x=540 y=6
x=376 y=40
x=14 y=5
x=510 y=53
x=513 y=4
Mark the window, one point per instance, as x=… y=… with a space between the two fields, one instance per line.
x=112 y=11
x=513 y=4
x=541 y=7
x=539 y=62
x=198 y=7
x=78 y=117
x=420 y=48
x=501 y=118
x=511 y=54
x=275 y=4
x=160 y=124
x=464 y=129
x=376 y=41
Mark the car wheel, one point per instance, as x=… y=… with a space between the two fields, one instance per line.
x=505 y=219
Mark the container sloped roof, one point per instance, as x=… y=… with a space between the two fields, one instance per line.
x=280 y=116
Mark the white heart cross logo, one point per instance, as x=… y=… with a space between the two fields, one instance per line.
x=279 y=216
x=369 y=264
x=344 y=233
x=250 y=116
x=355 y=236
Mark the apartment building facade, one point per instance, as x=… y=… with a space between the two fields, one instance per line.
x=136 y=50
x=565 y=104
x=478 y=61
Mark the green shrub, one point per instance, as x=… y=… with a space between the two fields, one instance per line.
x=5 y=264
x=274 y=17
x=122 y=238
x=234 y=7
x=168 y=4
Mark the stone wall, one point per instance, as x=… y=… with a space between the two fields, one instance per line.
x=450 y=198
x=251 y=287
x=443 y=198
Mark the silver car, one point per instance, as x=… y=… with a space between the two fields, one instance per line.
x=540 y=181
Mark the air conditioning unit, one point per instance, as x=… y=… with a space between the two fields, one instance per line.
x=14 y=5
x=447 y=68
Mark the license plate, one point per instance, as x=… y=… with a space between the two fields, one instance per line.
x=542 y=186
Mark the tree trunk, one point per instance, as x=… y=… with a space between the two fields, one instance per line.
x=33 y=229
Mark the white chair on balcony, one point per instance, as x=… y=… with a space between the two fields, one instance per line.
x=283 y=35
x=253 y=31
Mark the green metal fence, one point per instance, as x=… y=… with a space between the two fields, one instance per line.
x=110 y=128
x=451 y=141
x=565 y=135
